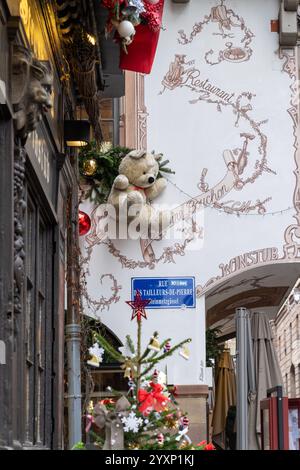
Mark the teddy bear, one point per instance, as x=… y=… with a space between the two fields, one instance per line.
x=134 y=188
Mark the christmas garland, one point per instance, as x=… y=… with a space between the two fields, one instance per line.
x=125 y=15
x=99 y=166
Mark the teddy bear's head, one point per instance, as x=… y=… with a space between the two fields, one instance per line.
x=141 y=168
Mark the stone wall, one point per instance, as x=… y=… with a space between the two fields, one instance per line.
x=287 y=327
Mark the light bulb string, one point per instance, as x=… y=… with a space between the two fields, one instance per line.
x=229 y=211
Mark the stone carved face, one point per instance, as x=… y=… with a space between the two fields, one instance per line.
x=32 y=90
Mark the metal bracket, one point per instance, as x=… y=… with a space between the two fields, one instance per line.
x=291 y=5
x=288 y=23
x=2 y=92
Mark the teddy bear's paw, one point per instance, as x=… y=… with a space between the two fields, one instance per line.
x=121 y=182
x=135 y=197
x=160 y=184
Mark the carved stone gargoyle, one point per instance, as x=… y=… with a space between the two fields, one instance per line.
x=32 y=83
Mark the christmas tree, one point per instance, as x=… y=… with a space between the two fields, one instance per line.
x=149 y=416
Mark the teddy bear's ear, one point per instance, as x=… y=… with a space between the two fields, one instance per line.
x=157 y=156
x=136 y=154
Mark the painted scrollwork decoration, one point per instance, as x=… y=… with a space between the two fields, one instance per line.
x=32 y=82
x=227 y=22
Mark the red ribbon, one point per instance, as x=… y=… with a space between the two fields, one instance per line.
x=137 y=188
x=154 y=400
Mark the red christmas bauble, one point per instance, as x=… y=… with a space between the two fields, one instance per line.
x=84 y=222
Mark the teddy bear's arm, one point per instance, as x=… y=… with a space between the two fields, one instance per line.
x=121 y=182
x=156 y=188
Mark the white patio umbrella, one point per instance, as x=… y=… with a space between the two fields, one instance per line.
x=266 y=370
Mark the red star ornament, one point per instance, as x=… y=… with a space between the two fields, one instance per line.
x=138 y=306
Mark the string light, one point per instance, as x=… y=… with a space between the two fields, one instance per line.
x=229 y=211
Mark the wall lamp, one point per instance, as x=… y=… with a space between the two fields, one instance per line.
x=77 y=133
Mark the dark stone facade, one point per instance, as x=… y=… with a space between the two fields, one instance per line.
x=38 y=185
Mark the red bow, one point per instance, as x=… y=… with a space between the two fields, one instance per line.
x=154 y=400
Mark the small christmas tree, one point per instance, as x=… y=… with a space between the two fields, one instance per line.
x=149 y=417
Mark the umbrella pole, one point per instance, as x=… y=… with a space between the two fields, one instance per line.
x=242 y=378
x=250 y=360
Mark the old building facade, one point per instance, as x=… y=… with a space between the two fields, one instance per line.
x=38 y=195
x=287 y=327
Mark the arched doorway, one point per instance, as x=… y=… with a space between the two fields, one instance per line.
x=261 y=289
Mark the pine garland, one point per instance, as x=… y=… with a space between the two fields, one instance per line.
x=107 y=160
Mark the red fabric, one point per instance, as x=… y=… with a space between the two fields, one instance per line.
x=142 y=50
x=154 y=400
x=111 y=3
x=137 y=188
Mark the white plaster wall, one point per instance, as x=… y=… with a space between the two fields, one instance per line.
x=193 y=137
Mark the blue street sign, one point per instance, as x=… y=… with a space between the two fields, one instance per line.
x=166 y=292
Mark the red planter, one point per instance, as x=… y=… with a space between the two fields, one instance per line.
x=141 y=52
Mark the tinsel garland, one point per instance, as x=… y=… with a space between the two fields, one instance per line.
x=153 y=14
x=138 y=4
x=146 y=10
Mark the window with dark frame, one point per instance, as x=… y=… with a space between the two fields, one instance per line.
x=38 y=325
x=110 y=120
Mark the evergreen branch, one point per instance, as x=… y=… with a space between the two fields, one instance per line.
x=110 y=350
x=130 y=344
x=163 y=356
x=168 y=353
x=154 y=354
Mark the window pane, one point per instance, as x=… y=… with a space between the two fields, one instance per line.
x=108 y=131
x=106 y=107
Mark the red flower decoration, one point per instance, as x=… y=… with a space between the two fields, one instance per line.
x=202 y=444
x=205 y=446
x=209 y=447
x=138 y=306
x=154 y=400
x=107 y=401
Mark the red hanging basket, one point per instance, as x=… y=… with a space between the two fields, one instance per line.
x=141 y=52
